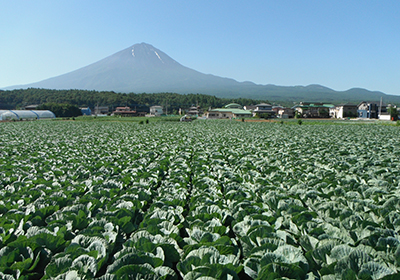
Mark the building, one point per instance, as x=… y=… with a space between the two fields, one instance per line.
x=367 y=110
x=194 y=111
x=249 y=107
x=86 y=111
x=264 y=110
x=101 y=110
x=285 y=113
x=230 y=111
x=276 y=109
x=125 y=112
x=156 y=111
x=343 y=111
x=313 y=110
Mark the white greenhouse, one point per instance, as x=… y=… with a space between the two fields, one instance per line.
x=26 y=115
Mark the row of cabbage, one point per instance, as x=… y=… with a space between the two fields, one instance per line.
x=223 y=200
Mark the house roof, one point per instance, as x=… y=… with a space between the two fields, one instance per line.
x=368 y=102
x=318 y=105
x=234 y=111
x=347 y=105
x=263 y=104
x=233 y=106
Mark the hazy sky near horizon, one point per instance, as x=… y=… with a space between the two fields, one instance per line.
x=338 y=44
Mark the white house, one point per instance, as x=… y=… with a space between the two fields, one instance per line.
x=156 y=111
x=343 y=111
x=285 y=113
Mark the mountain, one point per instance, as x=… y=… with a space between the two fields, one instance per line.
x=140 y=68
x=144 y=68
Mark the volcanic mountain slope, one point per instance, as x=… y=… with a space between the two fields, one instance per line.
x=144 y=68
x=140 y=68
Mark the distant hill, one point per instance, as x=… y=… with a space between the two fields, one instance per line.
x=144 y=68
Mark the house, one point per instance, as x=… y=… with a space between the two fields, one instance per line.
x=285 y=113
x=101 y=110
x=249 y=107
x=264 y=109
x=313 y=110
x=343 y=111
x=125 y=112
x=367 y=110
x=194 y=111
x=230 y=111
x=276 y=109
x=156 y=111
x=86 y=111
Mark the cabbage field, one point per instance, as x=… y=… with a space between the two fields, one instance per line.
x=202 y=200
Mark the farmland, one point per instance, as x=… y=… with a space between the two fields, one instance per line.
x=202 y=200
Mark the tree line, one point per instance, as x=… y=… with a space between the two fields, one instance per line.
x=61 y=110
x=19 y=98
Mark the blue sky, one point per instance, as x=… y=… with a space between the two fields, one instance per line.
x=338 y=44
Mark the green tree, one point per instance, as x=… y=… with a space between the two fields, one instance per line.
x=62 y=110
x=394 y=114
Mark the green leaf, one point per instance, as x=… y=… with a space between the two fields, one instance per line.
x=374 y=271
x=215 y=271
x=279 y=270
x=22 y=266
x=136 y=271
x=165 y=273
x=126 y=225
x=58 y=265
x=9 y=255
x=45 y=240
x=133 y=258
x=6 y=276
x=85 y=265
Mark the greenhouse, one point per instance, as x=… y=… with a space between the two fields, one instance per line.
x=26 y=114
